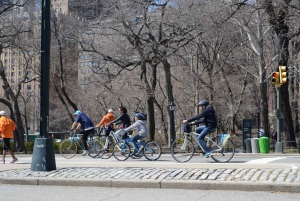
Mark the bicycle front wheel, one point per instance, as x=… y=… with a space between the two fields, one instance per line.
x=107 y=148
x=121 y=151
x=68 y=148
x=94 y=147
x=182 y=149
x=152 y=151
x=221 y=153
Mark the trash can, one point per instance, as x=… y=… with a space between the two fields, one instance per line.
x=254 y=145
x=248 y=145
x=264 y=145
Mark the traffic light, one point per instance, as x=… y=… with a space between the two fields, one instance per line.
x=282 y=75
x=275 y=79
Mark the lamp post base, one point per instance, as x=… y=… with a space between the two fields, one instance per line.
x=43 y=157
x=279 y=148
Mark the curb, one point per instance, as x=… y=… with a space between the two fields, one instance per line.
x=157 y=184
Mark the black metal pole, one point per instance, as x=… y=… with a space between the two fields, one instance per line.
x=45 y=68
x=172 y=127
x=43 y=157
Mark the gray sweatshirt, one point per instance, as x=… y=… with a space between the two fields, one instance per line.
x=139 y=125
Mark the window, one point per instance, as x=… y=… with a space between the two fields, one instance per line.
x=13 y=61
x=13 y=67
x=12 y=80
x=20 y=73
x=29 y=73
x=28 y=87
x=12 y=73
x=6 y=61
x=6 y=54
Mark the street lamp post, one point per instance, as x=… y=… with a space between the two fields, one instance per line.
x=172 y=108
x=258 y=119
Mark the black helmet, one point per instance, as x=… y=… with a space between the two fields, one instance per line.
x=203 y=102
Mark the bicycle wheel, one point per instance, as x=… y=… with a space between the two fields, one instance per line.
x=94 y=147
x=221 y=152
x=152 y=151
x=68 y=148
x=107 y=148
x=121 y=151
x=182 y=149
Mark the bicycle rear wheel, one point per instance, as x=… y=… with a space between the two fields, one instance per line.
x=107 y=148
x=68 y=148
x=121 y=151
x=94 y=147
x=152 y=151
x=221 y=153
x=182 y=149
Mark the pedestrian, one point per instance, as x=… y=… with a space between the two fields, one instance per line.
x=261 y=132
x=87 y=127
x=105 y=120
x=7 y=127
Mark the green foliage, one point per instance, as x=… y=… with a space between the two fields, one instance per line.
x=29 y=146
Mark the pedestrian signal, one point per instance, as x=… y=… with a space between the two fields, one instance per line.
x=282 y=75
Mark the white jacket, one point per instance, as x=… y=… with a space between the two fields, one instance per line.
x=139 y=125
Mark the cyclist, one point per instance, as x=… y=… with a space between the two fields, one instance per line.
x=140 y=125
x=208 y=117
x=123 y=119
x=87 y=128
x=105 y=120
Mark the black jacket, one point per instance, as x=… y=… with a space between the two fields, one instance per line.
x=209 y=115
x=124 y=119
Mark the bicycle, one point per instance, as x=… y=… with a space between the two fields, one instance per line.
x=221 y=147
x=107 y=143
x=126 y=148
x=69 y=147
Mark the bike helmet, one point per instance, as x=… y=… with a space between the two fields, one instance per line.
x=140 y=116
x=187 y=128
x=203 y=102
x=77 y=112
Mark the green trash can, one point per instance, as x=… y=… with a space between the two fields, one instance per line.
x=264 y=145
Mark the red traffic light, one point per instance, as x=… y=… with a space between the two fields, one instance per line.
x=275 y=79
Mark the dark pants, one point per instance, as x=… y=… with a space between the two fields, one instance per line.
x=85 y=135
x=6 y=144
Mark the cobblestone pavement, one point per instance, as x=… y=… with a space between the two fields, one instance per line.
x=235 y=179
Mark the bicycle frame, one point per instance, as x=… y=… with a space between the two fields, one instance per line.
x=74 y=140
x=195 y=135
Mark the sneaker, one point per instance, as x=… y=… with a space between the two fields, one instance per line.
x=14 y=160
x=207 y=154
x=85 y=152
x=2 y=161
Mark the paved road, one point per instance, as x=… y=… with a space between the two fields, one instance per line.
x=245 y=172
x=69 y=193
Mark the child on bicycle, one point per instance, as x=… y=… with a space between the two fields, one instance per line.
x=140 y=125
x=209 y=119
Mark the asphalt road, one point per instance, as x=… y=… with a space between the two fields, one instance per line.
x=166 y=161
x=66 y=193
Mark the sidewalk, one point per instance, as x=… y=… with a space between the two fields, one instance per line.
x=245 y=179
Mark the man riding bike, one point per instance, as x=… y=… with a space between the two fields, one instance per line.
x=208 y=117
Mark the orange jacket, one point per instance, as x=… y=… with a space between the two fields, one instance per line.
x=106 y=119
x=7 y=127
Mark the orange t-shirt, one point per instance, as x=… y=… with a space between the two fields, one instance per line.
x=7 y=127
x=106 y=119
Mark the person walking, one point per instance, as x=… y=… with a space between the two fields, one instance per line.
x=7 y=127
x=87 y=127
x=105 y=120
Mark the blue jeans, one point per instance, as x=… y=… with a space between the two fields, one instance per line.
x=135 y=139
x=204 y=131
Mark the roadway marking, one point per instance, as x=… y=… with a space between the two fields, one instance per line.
x=264 y=160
